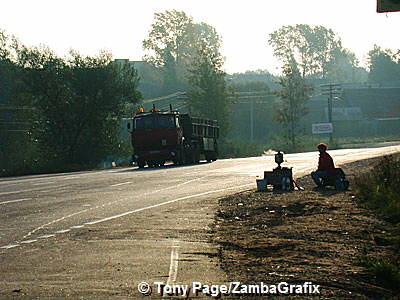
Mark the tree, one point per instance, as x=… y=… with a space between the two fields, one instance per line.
x=167 y=44
x=383 y=66
x=344 y=67
x=310 y=47
x=16 y=150
x=253 y=80
x=209 y=97
x=250 y=86
x=173 y=44
x=151 y=80
x=293 y=98
x=77 y=102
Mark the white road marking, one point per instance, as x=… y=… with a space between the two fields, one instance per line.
x=118 y=215
x=118 y=184
x=28 y=241
x=338 y=154
x=98 y=206
x=164 y=203
x=71 y=177
x=80 y=226
x=31 y=190
x=42 y=183
x=46 y=236
x=17 y=200
x=52 y=222
x=39 y=177
x=10 y=246
x=63 y=231
x=173 y=266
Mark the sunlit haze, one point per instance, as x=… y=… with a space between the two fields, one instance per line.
x=120 y=26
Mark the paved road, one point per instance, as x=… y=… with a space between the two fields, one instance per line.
x=35 y=206
x=46 y=209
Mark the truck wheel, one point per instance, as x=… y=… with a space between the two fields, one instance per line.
x=208 y=156
x=214 y=156
x=141 y=164
x=196 y=155
x=179 y=158
x=188 y=157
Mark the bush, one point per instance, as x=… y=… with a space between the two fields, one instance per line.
x=379 y=188
x=237 y=148
x=385 y=273
x=234 y=149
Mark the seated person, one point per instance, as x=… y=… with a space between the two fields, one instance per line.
x=326 y=166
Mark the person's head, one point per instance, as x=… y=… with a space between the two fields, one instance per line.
x=322 y=147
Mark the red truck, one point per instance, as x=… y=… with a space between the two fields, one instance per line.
x=161 y=136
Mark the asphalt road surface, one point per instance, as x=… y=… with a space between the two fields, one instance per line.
x=60 y=234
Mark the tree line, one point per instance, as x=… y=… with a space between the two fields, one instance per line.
x=310 y=55
x=71 y=105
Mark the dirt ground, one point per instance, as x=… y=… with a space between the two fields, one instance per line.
x=315 y=236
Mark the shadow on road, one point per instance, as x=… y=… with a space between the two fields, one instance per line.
x=171 y=166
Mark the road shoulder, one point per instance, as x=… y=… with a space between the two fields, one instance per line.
x=301 y=236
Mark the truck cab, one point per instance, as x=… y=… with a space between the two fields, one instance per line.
x=155 y=137
x=160 y=136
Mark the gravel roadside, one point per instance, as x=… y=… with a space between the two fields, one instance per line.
x=299 y=236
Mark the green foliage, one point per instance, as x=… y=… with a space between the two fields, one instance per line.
x=167 y=38
x=74 y=106
x=209 y=97
x=311 y=47
x=167 y=44
x=250 y=86
x=344 y=67
x=76 y=103
x=151 y=80
x=17 y=148
x=173 y=45
x=385 y=273
x=257 y=75
x=294 y=95
x=379 y=189
x=237 y=148
x=383 y=65
x=232 y=147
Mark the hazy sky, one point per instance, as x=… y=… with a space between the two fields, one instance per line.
x=120 y=26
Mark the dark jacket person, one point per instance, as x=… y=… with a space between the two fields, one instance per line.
x=326 y=166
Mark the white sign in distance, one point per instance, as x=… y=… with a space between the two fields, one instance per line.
x=319 y=128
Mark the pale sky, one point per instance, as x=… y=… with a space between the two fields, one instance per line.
x=120 y=26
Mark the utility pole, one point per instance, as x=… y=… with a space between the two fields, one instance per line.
x=332 y=90
x=251 y=98
x=252 y=120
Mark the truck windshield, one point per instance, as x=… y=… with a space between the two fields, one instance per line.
x=154 y=122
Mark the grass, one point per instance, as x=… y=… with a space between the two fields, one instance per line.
x=356 y=140
x=231 y=148
x=379 y=188
x=385 y=273
x=379 y=191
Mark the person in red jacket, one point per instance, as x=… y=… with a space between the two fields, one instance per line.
x=326 y=166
